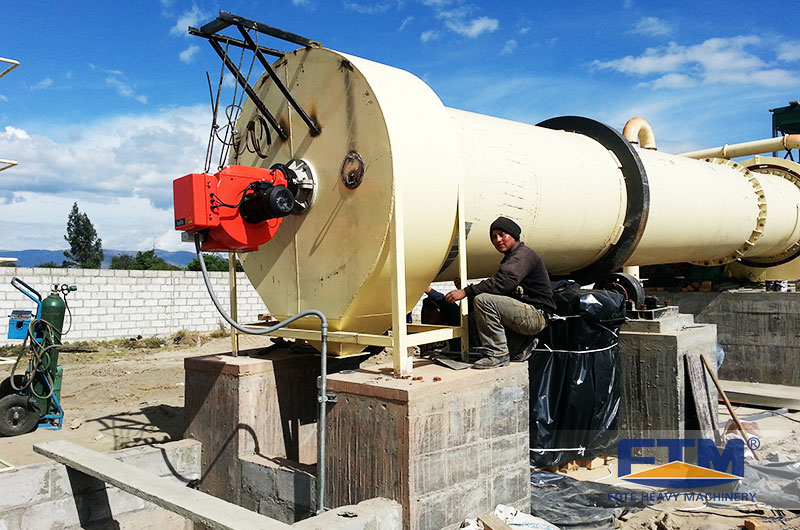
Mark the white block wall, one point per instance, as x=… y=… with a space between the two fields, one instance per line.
x=111 y=304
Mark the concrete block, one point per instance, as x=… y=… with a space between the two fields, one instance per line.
x=653 y=378
x=372 y=514
x=283 y=492
x=413 y=453
x=24 y=486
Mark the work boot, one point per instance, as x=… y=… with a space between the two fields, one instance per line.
x=493 y=361
x=525 y=350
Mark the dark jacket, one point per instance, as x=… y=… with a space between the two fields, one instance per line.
x=521 y=275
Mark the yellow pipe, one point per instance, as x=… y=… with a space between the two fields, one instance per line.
x=756 y=147
x=637 y=130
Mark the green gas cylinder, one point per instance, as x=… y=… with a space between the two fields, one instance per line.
x=53 y=309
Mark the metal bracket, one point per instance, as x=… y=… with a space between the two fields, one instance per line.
x=211 y=31
x=330 y=397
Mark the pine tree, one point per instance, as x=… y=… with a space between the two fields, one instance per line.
x=86 y=249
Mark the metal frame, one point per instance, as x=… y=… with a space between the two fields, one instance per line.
x=403 y=335
x=13 y=64
x=5 y=164
x=210 y=32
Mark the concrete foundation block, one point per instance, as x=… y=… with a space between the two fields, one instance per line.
x=759 y=331
x=653 y=374
x=243 y=406
x=449 y=446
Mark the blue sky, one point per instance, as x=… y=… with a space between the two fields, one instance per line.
x=110 y=102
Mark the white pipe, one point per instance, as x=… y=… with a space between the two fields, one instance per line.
x=637 y=130
x=756 y=147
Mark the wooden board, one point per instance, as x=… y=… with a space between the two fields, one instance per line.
x=197 y=506
x=761 y=394
x=492 y=522
x=702 y=398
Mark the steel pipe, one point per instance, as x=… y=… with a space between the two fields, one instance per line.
x=638 y=131
x=756 y=147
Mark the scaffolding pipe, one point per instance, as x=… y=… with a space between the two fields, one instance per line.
x=756 y=147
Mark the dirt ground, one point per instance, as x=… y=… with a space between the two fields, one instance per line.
x=118 y=397
x=123 y=396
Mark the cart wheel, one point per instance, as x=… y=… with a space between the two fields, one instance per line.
x=17 y=415
x=624 y=284
x=6 y=388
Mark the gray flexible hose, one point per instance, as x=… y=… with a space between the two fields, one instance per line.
x=323 y=391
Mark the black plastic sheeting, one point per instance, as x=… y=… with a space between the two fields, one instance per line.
x=567 y=502
x=574 y=379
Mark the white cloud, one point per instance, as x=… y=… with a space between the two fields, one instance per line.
x=474 y=27
x=124 y=90
x=188 y=54
x=673 y=81
x=429 y=35
x=509 y=48
x=193 y=17
x=718 y=60
x=789 y=51
x=652 y=27
x=43 y=84
x=368 y=9
x=104 y=70
x=301 y=2
x=460 y=20
x=3 y=98
x=457 y=20
x=228 y=81
x=120 y=171
x=405 y=23
x=14 y=133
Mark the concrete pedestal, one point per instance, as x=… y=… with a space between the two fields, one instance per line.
x=655 y=385
x=447 y=446
x=256 y=418
x=759 y=331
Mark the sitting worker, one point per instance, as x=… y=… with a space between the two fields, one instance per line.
x=516 y=301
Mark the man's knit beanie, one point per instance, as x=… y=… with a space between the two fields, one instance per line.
x=506 y=225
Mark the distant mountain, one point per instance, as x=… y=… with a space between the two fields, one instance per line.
x=32 y=258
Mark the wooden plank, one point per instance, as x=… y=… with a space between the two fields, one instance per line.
x=197 y=506
x=492 y=522
x=698 y=385
x=787 y=392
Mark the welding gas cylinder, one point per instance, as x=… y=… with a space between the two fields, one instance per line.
x=53 y=309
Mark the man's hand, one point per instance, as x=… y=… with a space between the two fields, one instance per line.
x=456 y=295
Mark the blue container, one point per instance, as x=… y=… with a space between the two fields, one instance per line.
x=18 y=324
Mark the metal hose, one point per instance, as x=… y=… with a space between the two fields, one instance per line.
x=323 y=392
